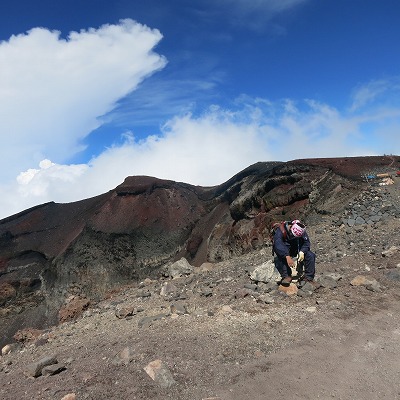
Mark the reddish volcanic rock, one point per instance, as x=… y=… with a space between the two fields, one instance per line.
x=74 y=308
x=354 y=167
x=148 y=203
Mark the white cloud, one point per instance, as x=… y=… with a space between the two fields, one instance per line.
x=209 y=149
x=53 y=90
x=385 y=90
x=49 y=180
x=257 y=14
x=367 y=93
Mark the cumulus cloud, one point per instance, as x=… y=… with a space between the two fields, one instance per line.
x=50 y=178
x=209 y=149
x=53 y=91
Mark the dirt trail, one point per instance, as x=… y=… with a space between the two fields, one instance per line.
x=353 y=359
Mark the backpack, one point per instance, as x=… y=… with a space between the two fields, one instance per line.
x=274 y=227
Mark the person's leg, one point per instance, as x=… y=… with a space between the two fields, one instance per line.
x=309 y=265
x=282 y=267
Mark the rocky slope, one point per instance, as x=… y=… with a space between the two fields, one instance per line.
x=84 y=250
x=226 y=330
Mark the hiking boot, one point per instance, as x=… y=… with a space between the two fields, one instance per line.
x=286 y=281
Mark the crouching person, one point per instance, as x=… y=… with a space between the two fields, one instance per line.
x=290 y=239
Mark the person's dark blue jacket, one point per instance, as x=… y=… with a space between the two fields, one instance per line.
x=290 y=245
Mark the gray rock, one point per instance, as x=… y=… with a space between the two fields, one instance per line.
x=178 y=308
x=336 y=305
x=147 y=321
x=124 y=357
x=386 y=217
x=9 y=348
x=309 y=287
x=393 y=275
x=375 y=218
x=206 y=292
x=53 y=369
x=251 y=286
x=265 y=272
x=168 y=288
x=339 y=254
x=35 y=369
x=334 y=275
x=266 y=287
x=374 y=286
x=265 y=298
x=327 y=282
x=160 y=374
x=304 y=293
x=143 y=293
x=359 y=221
x=179 y=268
x=393 y=250
x=351 y=222
x=125 y=312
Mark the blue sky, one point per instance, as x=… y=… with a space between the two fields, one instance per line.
x=93 y=91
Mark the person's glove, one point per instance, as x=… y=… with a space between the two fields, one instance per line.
x=289 y=261
x=300 y=257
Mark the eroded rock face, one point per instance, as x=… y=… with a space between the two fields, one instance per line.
x=87 y=248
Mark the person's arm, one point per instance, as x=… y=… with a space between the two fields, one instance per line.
x=280 y=248
x=306 y=246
